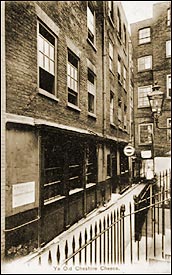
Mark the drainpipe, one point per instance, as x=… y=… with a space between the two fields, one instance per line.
x=104 y=82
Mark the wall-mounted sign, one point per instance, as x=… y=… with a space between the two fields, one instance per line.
x=129 y=150
x=23 y=193
x=146 y=154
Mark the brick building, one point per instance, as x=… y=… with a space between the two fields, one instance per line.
x=67 y=115
x=151 y=39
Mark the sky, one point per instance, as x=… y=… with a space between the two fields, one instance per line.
x=138 y=10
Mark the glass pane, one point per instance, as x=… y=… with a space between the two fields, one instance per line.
x=68 y=81
x=41 y=60
x=40 y=43
x=51 y=67
x=68 y=69
x=46 y=48
x=52 y=52
x=46 y=65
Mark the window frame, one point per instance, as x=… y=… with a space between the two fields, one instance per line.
x=112 y=118
x=111 y=56
x=143 y=58
x=125 y=117
x=71 y=65
x=144 y=38
x=119 y=69
x=168 y=48
x=93 y=93
x=124 y=78
x=111 y=10
x=119 y=109
x=119 y=25
x=168 y=130
x=52 y=95
x=145 y=124
x=167 y=85
x=90 y=9
x=138 y=97
x=168 y=17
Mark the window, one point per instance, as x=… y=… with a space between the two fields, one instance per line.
x=91 y=23
x=119 y=69
x=119 y=110
x=144 y=63
x=46 y=59
x=125 y=36
x=125 y=117
x=145 y=133
x=144 y=36
x=168 y=17
x=111 y=56
x=169 y=85
x=168 y=130
x=119 y=24
x=91 y=163
x=142 y=96
x=124 y=77
x=110 y=7
x=109 y=166
x=72 y=78
x=111 y=107
x=91 y=92
x=168 y=48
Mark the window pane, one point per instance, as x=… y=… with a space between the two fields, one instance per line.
x=51 y=52
x=51 y=67
x=90 y=20
x=90 y=103
x=41 y=60
x=46 y=65
x=145 y=134
x=46 y=48
x=46 y=81
x=72 y=97
x=40 y=43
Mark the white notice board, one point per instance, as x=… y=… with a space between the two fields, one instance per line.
x=23 y=193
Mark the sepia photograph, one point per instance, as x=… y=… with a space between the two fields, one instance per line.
x=85 y=137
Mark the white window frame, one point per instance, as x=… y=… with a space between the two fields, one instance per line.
x=110 y=56
x=46 y=55
x=168 y=84
x=91 y=22
x=119 y=69
x=168 y=130
x=150 y=131
x=125 y=117
x=92 y=90
x=119 y=110
x=168 y=48
x=110 y=10
x=73 y=78
x=144 y=35
x=111 y=107
x=145 y=63
x=168 y=17
x=124 y=77
x=143 y=90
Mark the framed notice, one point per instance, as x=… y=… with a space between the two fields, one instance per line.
x=23 y=193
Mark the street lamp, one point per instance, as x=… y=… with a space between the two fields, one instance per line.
x=156 y=100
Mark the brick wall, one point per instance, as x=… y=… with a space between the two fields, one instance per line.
x=21 y=50
x=160 y=33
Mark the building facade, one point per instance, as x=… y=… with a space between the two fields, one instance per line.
x=151 y=41
x=67 y=116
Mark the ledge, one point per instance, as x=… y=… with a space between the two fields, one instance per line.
x=89 y=185
x=93 y=46
x=113 y=125
x=57 y=198
x=47 y=94
x=74 y=191
x=92 y=115
x=74 y=107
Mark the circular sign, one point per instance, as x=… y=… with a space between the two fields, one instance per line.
x=129 y=150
